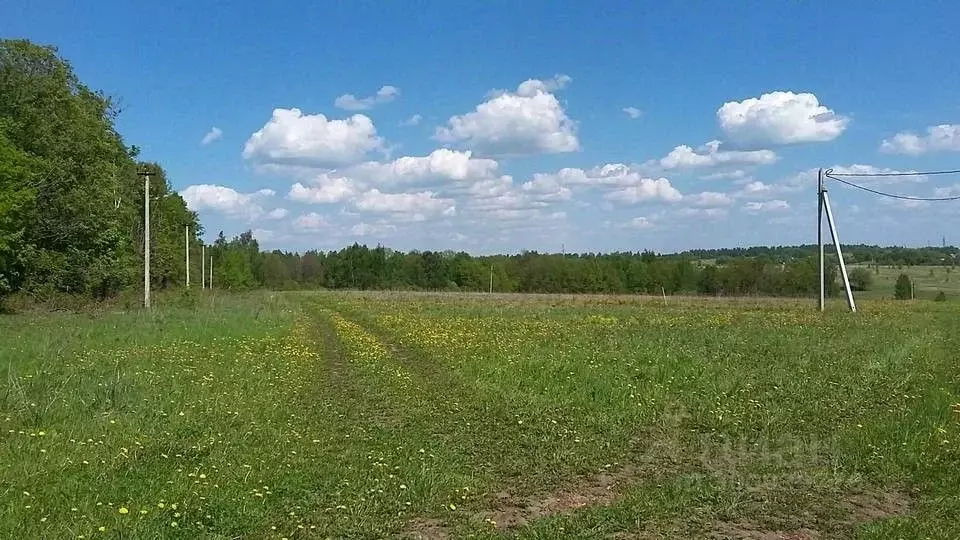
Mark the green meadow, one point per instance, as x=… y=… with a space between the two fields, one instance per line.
x=373 y=415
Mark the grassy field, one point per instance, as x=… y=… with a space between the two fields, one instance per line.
x=927 y=280
x=376 y=415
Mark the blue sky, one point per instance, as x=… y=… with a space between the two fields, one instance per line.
x=500 y=126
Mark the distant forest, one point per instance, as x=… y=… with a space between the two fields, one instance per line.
x=773 y=271
x=71 y=222
x=855 y=253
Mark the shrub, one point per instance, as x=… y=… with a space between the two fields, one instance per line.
x=941 y=297
x=902 y=290
x=861 y=279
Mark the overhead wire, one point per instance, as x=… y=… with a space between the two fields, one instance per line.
x=830 y=172
x=834 y=176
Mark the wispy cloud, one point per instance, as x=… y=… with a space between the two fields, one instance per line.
x=214 y=134
x=350 y=102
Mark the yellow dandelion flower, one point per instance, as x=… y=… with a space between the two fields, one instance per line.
x=123 y=510
x=101 y=528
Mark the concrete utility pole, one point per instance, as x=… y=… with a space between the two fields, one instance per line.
x=211 y=273
x=820 y=236
x=836 y=243
x=823 y=205
x=203 y=264
x=186 y=238
x=146 y=236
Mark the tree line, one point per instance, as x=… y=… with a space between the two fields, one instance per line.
x=71 y=200
x=361 y=267
x=852 y=253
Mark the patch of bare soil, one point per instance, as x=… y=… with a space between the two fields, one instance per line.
x=862 y=507
x=592 y=491
x=872 y=506
x=427 y=529
x=514 y=511
x=510 y=511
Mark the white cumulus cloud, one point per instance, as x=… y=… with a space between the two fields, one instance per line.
x=349 y=102
x=647 y=189
x=612 y=174
x=780 y=118
x=528 y=121
x=293 y=138
x=941 y=138
x=755 y=189
x=627 y=184
x=710 y=155
x=546 y=187
x=214 y=134
x=441 y=164
x=226 y=200
x=532 y=87
x=324 y=190
x=420 y=204
x=632 y=112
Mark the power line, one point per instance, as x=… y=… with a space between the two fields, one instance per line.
x=893 y=195
x=831 y=174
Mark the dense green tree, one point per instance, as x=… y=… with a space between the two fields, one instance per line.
x=903 y=290
x=75 y=241
x=70 y=199
x=16 y=199
x=236 y=262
